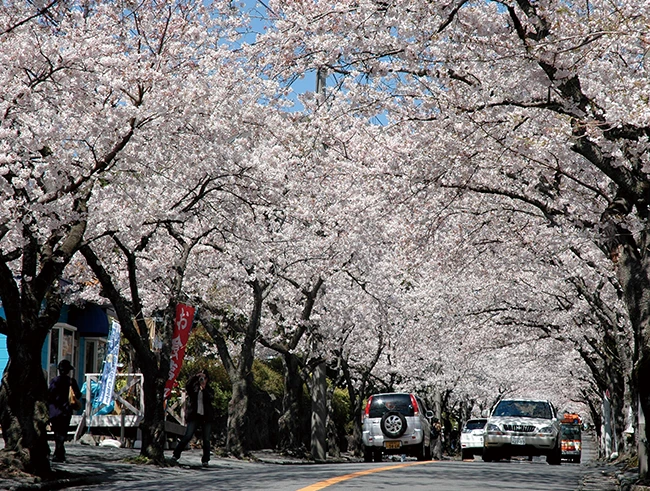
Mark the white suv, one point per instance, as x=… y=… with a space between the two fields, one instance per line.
x=396 y=423
x=471 y=438
x=523 y=427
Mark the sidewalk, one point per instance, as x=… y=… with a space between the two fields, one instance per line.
x=89 y=464
x=85 y=465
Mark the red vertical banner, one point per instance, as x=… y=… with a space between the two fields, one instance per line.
x=182 y=326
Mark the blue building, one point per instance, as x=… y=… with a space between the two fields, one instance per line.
x=4 y=356
x=80 y=336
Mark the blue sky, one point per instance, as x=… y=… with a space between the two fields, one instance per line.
x=259 y=15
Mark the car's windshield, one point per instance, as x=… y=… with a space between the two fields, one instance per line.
x=475 y=424
x=527 y=409
x=391 y=402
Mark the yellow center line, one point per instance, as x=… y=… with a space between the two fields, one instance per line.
x=338 y=479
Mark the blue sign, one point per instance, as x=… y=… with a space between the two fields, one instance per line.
x=110 y=364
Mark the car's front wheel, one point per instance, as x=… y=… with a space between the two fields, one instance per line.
x=488 y=455
x=555 y=457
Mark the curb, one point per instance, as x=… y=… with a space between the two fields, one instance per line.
x=55 y=485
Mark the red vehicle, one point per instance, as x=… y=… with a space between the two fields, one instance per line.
x=571 y=419
x=571 y=437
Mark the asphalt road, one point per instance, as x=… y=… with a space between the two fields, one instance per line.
x=278 y=475
x=410 y=476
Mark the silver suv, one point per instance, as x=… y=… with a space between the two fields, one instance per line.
x=523 y=427
x=396 y=423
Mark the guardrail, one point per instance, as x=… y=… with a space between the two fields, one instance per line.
x=128 y=409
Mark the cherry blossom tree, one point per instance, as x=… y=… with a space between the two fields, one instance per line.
x=512 y=292
x=188 y=190
x=228 y=329
x=542 y=103
x=460 y=210
x=125 y=115
x=293 y=244
x=60 y=133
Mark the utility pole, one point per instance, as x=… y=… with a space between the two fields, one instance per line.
x=319 y=379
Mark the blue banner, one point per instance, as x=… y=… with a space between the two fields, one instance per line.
x=110 y=364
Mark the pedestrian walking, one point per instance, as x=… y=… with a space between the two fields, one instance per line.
x=199 y=413
x=436 y=438
x=62 y=389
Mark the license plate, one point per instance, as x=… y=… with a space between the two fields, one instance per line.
x=518 y=440
x=392 y=444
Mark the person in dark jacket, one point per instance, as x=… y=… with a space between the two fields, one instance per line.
x=58 y=403
x=199 y=413
x=436 y=439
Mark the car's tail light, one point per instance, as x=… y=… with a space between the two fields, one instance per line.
x=414 y=403
x=366 y=412
x=570 y=445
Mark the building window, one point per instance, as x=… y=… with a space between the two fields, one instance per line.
x=63 y=345
x=94 y=356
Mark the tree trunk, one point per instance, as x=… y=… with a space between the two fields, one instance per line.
x=357 y=396
x=24 y=388
x=241 y=377
x=356 y=413
x=644 y=402
x=643 y=448
x=239 y=371
x=154 y=366
x=237 y=427
x=437 y=411
x=333 y=444
x=319 y=413
x=25 y=417
x=596 y=416
x=606 y=442
x=290 y=422
x=153 y=423
x=32 y=307
x=634 y=275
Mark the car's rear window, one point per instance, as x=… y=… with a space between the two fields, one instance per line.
x=381 y=404
x=571 y=432
x=527 y=409
x=475 y=424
